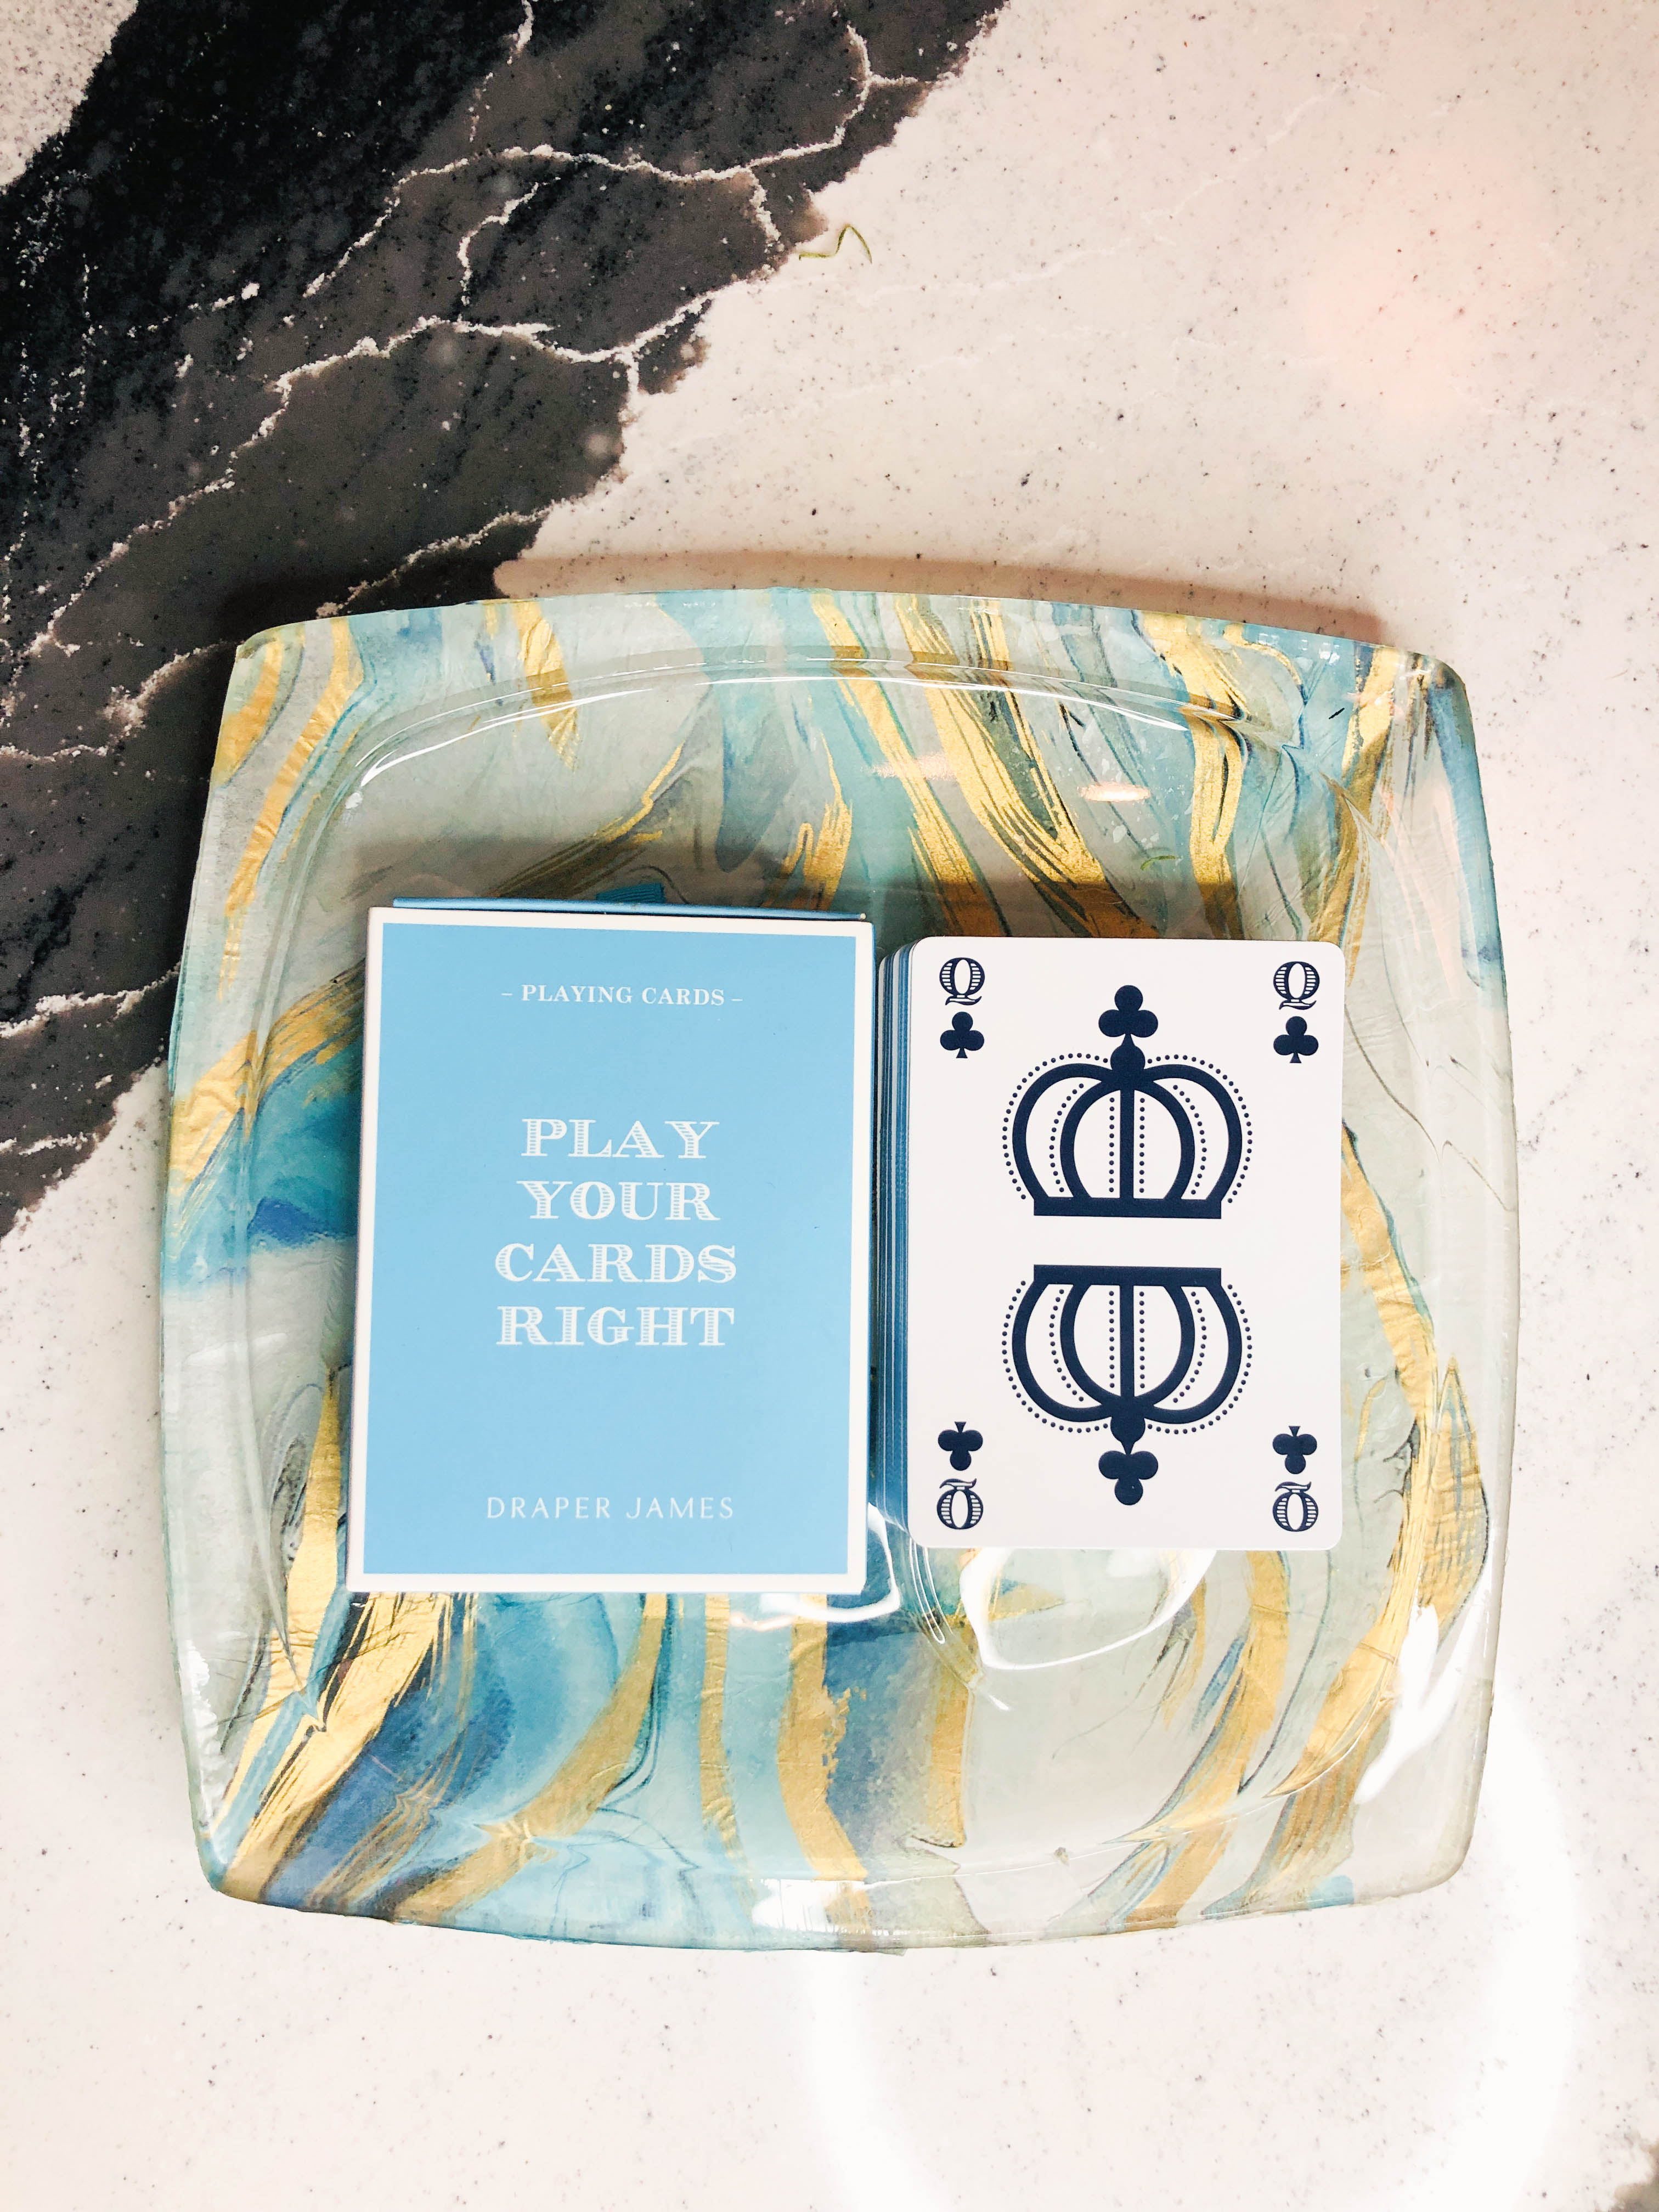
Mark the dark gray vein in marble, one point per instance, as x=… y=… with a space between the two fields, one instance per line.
x=313 y=309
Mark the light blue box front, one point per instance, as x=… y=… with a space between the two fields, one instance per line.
x=612 y=1323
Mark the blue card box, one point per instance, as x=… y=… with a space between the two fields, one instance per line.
x=612 y=1320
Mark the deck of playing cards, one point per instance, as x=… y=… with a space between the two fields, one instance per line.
x=613 y=1262
x=1109 y=1255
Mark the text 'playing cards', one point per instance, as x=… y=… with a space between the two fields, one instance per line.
x=1111 y=1243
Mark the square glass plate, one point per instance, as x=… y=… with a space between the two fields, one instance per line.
x=979 y=1747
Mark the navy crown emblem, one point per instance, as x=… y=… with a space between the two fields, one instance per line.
x=1132 y=1346
x=1126 y=1138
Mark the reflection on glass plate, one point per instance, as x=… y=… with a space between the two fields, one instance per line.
x=979 y=1747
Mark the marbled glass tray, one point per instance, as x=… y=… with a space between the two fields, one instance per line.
x=981 y=1747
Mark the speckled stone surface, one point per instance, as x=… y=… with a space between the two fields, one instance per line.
x=1331 y=314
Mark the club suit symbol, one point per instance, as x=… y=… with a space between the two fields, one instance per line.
x=961 y=1037
x=961 y=1442
x=1127 y=1139
x=1128 y=1473
x=1129 y=1015
x=1294 y=1448
x=1296 y=1045
x=958 y=1505
x=1170 y=1339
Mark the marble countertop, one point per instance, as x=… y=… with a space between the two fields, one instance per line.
x=1323 y=314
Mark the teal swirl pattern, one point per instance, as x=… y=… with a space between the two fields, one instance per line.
x=980 y=1747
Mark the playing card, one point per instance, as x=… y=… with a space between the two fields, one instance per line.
x=1114 y=1261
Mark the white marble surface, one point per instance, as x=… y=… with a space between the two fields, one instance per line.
x=1340 y=312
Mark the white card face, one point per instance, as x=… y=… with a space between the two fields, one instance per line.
x=1123 y=1245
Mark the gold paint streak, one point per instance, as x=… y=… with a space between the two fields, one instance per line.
x=324 y=1022
x=315 y=1573
x=1371 y=722
x=946 y=1823
x=1234 y=633
x=1219 y=757
x=1179 y=642
x=310 y=1583
x=1040 y=837
x=821 y=857
x=809 y=1738
x=379 y=1850
x=1210 y=1788
x=1405 y=1323
x=829 y=252
x=202 y=1116
x=1459 y=1525
x=1342 y=916
x=714 y=1779
x=1308 y=1837
x=1218 y=784
x=566 y=1803
x=345 y=675
x=281 y=1685
x=1366 y=1674
x=968 y=907
x=543 y=669
x=240 y=733
x=389 y=1642
x=1437 y=1558
x=587 y=865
